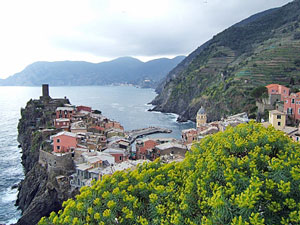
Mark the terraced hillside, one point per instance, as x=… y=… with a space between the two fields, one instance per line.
x=262 y=49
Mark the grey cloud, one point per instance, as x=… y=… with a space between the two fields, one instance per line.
x=176 y=34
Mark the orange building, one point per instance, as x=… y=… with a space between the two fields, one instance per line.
x=277 y=89
x=64 y=142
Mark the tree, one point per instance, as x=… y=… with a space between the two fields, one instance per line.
x=259 y=92
x=246 y=175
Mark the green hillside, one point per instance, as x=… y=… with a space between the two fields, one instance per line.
x=260 y=50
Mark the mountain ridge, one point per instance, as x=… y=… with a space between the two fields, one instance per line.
x=121 y=70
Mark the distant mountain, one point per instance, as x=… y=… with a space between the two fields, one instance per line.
x=119 y=71
x=220 y=74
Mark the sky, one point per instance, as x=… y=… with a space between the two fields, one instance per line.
x=101 y=30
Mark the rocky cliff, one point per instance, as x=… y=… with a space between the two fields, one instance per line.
x=221 y=73
x=39 y=193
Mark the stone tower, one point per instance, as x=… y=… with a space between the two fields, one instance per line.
x=45 y=91
x=201 y=117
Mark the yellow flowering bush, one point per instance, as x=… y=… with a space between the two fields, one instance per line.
x=245 y=175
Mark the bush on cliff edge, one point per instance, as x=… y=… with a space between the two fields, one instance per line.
x=245 y=175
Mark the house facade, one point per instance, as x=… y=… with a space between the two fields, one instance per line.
x=189 y=135
x=64 y=142
x=65 y=112
x=277 y=119
x=144 y=148
x=84 y=108
x=275 y=89
x=292 y=105
x=62 y=123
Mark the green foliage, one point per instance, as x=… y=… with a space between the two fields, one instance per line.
x=297 y=62
x=36 y=141
x=245 y=175
x=259 y=92
x=297 y=36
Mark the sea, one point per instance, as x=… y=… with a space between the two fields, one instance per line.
x=127 y=104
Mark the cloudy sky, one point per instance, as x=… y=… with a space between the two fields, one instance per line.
x=99 y=30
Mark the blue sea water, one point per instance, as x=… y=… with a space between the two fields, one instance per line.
x=126 y=104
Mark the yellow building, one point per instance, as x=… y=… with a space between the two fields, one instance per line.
x=277 y=119
x=201 y=117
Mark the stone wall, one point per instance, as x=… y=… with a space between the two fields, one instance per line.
x=57 y=164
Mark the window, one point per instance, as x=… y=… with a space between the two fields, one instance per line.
x=121 y=158
x=273 y=90
x=289 y=111
x=57 y=147
x=297 y=138
x=57 y=140
x=286 y=101
x=283 y=91
x=293 y=101
x=279 y=123
x=278 y=117
x=299 y=111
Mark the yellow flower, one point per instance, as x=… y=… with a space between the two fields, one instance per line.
x=106 y=213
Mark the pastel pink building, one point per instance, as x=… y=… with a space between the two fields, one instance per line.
x=64 y=141
x=292 y=105
x=65 y=112
x=277 y=89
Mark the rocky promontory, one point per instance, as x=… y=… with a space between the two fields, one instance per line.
x=40 y=192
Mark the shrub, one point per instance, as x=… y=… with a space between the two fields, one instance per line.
x=245 y=175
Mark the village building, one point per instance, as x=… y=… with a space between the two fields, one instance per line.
x=83 y=108
x=119 y=154
x=188 y=136
x=277 y=89
x=62 y=123
x=64 y=141
x=78 y=127
x=65 y=112
x=114 y=132
x=292 y=105
x=170 y=149
x=144 y=148
x=277 y=119
x=108 y=124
